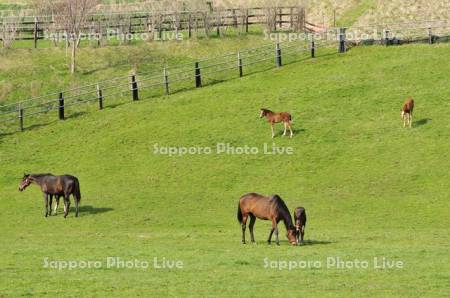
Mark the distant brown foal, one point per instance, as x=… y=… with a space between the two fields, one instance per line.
x=273 y=118
x=407 y=112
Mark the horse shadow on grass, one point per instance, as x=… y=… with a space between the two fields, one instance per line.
x=314 y=242
x=421 y=122
x=286 y=242
x=299 y=130
x=91 y=210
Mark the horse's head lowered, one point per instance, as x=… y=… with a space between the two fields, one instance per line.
x=291 y=235
x=26 y=181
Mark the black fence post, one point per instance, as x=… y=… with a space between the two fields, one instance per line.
x=61 y=106
x=166 y=81
x=430 y=36
x=386 y=37
x=134 y=88
x=342 y=40
x=21 y=117
x=100 y=97
x=241 y=72
x=278 y=55
x=198 y=76
x=313 y=47
x=35 y=33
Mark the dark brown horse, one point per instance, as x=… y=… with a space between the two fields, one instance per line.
x=300 y=222
x=272 y=208
x=407 y=112
x=277 y=118
x=57 y=186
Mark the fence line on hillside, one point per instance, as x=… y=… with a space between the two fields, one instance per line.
x=136 y=86
x=156 y=23
x=181 y=77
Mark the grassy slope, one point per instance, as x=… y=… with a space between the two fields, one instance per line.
x=26 y=72
x=371 y=188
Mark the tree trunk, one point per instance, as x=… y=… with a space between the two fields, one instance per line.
x=73 y=58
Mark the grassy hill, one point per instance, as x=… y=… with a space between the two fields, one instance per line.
x=370 y=187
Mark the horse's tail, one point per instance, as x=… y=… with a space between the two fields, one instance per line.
x=76 y=191
x=239 y=213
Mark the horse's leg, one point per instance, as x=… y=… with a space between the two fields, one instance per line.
x=410 y=119
x=75 y=199
x=274 y=225
x=46 y=204
x=244 y=224
x=285 y=128
x=273 y=132
x=57 y=197
x=252 y=223
x=66 y=205
x=276 y=234
x=50 y=205
x=303 y=232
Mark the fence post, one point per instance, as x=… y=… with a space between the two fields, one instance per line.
x=21 y=117
x=190 y=26
x=166 y=80
x=198 y=76
x=430 y=36
x=241 y=73
x=246 y=21
x=342 y=40
x=134 y=88
x=100 y=97
x=386 y=37
x=35 y=33
x=61 y=106
x=278 y=55
x=291 y=18
x=313 y=47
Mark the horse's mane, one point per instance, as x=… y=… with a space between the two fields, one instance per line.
x=266 y=110
x=279 y=202
x=40 y=175
x=284 y=210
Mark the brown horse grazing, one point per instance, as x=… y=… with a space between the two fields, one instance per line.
x=277 y=118
x=267 y=208
x=300 y=222
x=65 y=186
x=407 y=112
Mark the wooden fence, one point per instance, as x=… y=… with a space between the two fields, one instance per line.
x=171 y=79
x=39 y=27
x=168 y=80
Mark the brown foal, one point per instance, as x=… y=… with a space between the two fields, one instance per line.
x=407 y=112
x=273 y=118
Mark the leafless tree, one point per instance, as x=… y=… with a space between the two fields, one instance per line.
x=8 y=30
x=72 y=17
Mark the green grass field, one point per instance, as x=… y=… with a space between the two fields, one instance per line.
x=371 y=188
